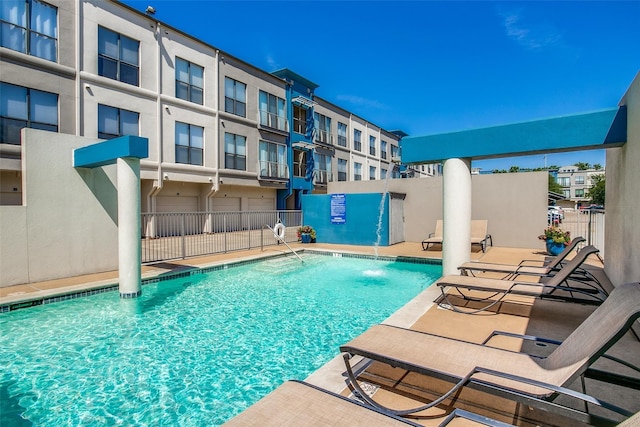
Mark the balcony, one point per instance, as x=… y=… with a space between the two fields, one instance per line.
x=322 y=177
x=273 y=121
x=273 y=171
x=324 y=137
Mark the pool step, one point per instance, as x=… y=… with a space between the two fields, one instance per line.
x=279 y=265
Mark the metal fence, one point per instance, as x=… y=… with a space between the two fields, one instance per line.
x=167 y=236
x=588 y=224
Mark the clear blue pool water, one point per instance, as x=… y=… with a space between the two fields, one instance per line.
x=192 y=351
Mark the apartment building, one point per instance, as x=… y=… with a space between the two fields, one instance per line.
x=223 y=134
x=576 y=184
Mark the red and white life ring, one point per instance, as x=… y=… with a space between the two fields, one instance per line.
x=279 y=229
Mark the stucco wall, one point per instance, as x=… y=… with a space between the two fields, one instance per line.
x=67 y=224
x=622 y=221
x=514 y=204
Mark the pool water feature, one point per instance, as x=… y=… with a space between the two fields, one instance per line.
x=194 y=350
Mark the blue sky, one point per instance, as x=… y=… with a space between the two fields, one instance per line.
x=428 y=67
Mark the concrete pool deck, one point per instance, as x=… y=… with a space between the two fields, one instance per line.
x=523 y=315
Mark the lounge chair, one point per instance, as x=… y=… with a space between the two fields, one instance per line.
x=564 y=285
x=435 y=237
x=531 y=380
x=479 y=235
x=525 y=267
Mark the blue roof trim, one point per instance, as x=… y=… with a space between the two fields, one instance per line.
x=107 y=152
x=602 y=129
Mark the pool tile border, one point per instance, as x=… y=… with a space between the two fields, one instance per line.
x=5 y=308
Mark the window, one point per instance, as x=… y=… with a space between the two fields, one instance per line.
x=357 y=141
x=30 y=27
x=566 y=193
x=564 y=181
x=22 y=107
x=372 y=172
x=357 y=171
x=579 y=192
x=579 y=180
x=342 y=169
x=189 y=81
x=189 y=143
x=383 y=149
x=235 y=151
x=118 y=56
x=235 y=97
x=383 y=173
x=372 y=145
x=342 y=134
x=324 y=129
x=273 y=160
x=322 y=169
x=272 y=111
x=394 y=151
x=299 y=119
x=114 y=122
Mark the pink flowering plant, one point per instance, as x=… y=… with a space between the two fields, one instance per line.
x=556 y=234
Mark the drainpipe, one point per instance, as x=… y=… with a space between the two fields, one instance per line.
x=79 y=51
x=159 y=121
x=150 y=227
x=215 y=186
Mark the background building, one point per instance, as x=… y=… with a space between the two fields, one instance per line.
x=575 y=185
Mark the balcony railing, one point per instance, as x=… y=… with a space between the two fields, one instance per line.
x=322 y=177
x=273 y=170
x=273 y=121
x=324 y=137
x=299 y=125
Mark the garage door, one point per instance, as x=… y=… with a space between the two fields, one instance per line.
x=262 y=204
x=226 y=221
x=177 y=204
x=183 y=208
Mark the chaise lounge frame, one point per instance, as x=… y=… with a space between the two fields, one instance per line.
x=532 y=380
x=525 y=268
x=479 y=235
x=580 y=291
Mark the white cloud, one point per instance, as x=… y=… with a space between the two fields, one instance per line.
x=272 y=63
x=534 y=37
x=358 y=100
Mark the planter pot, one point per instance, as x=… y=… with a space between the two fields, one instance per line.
x=306 y=238
x=554 y=248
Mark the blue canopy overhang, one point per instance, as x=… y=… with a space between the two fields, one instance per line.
x=597 y=130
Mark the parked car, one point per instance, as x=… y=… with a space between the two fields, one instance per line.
x=557 y=210
x=587 y=209
x=553 y=217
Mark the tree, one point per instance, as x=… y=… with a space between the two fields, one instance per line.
x=596 y=193
x=513 y=169
x=582 y=166
x=554 y=187
x=597 y=166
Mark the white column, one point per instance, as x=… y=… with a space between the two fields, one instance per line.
x=456 y=238
x=129 y=243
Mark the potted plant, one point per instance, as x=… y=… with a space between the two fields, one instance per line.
x=556 y=239
x=306 y=234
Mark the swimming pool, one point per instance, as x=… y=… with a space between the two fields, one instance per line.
x=194 y=350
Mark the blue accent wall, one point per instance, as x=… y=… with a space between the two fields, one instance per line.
x=602 y=129
x=362 y=213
